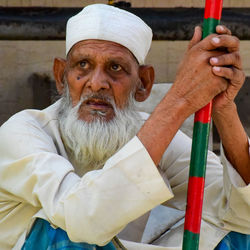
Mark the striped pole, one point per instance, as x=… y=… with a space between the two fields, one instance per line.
x=198 y=160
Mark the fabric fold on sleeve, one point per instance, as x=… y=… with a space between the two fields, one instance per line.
x=128 y=186
x=236 y=212
x=93 y=208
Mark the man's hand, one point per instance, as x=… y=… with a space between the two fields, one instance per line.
x=228 y=66
x=211 y=68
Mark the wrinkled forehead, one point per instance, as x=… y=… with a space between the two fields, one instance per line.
x=100 y=46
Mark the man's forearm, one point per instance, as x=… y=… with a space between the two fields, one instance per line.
x=159 y=130
x=234 y=140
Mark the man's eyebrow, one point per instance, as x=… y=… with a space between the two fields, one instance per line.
x=119 y=60
x=122 y=58
x=80 y=55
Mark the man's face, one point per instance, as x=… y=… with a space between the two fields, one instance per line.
x=100 y=71
x=97 y=116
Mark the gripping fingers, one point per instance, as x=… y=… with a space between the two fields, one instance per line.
x=233 y=74
x=214 y=42
x=231 y=59
x=196 y=37
x=232 y=43
x=222 y=29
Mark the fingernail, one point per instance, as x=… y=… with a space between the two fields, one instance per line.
x=216 y=68
x=221 y=27
x=214 y=60
x=216 y=40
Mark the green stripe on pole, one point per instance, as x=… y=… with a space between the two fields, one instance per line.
x=198 y=154
x=197 y=170
x=191 y=240
x=209 y=26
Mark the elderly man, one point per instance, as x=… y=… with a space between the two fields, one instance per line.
x=75 y=174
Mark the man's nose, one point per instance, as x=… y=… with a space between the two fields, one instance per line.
x=98 y=80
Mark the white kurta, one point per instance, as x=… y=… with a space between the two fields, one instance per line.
x=37 y=180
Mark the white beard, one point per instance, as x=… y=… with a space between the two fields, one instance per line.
x=90 y=144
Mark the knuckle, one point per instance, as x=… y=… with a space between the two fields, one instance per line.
x=224 y=85
x=231 y=73
x=237 y=56
x=228 y=31
x=235 y=60
x=204 y=57
x=221 y=85
x=236 y=39
x=241 y=76
x=236 y=73
x=238 y=60
x=223 y=59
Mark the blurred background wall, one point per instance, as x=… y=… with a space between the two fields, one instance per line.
x=28 y=44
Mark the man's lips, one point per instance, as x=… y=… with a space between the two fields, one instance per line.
x=96 y=107
x=97 y=104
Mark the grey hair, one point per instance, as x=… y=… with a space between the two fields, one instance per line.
x=91 y=144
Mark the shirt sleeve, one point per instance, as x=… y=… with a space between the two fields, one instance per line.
x=90 y=209
x=226 y=201
x=236 y=210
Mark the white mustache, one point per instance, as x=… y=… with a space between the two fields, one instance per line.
x=100 y=97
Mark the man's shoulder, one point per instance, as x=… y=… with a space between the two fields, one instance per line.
x=31 y=132
x=33 y=116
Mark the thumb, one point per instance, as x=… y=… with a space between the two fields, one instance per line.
x=196 y=37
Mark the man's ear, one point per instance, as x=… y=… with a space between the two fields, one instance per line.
x=146 y=74
x=59 y=70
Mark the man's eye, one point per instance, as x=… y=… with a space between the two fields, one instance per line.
x=83 y=64
x=116 y=67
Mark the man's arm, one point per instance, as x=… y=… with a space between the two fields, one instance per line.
x=225 y=115
x=234 y=140
x=93 y=208
x=183 y=99
x=200 y=79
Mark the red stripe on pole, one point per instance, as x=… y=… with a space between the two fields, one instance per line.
x=204 y=114
x=213 y=9
x=194 y=204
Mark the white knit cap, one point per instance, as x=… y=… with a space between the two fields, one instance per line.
x=105 y=22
